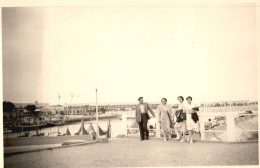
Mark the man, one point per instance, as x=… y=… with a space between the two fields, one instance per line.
x=142 y=117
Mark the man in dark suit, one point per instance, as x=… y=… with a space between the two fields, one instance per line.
x=142 y=117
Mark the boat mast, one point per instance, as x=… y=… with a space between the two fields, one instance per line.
x=67 y=117
x=59 y=114
x=97 y=115
x=71 y=97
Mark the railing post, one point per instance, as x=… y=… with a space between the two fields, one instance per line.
x=124 y=122
x=230 y=126
x=202 y=126
x=158 y=125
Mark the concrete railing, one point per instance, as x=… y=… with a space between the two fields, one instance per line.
x=231 y=127
x=126 y=128
x=231 y=132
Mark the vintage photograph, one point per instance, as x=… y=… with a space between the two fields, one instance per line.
x=137 y=85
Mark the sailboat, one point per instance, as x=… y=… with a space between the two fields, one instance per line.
x=90 y=129
x=68 y=132
x=92 y=132
x=82 y=130
x=108 y=132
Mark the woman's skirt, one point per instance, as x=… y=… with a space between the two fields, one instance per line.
x=180 y=126
x=165 y=123
x=192 y=126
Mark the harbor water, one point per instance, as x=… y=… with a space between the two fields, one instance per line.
x=116 y=128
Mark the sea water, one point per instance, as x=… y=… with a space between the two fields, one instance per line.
x=116 y=128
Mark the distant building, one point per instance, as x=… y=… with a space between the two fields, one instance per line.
x=53 y=109
x=222 y=106
x=23 y=105
x=20 y=111
x=229 y=103
x=78 y=109
x=20 y=107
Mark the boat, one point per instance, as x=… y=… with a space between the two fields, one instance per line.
x=58 y=123
x=68 y=132
x=107 y=133
x=26 y=134
x=40 y=134
x=21 y=128
x=73 y=142
x=82 y=130
x=50 y=124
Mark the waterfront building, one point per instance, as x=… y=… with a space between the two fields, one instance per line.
x=23 y=105
x=90 y=108
x=53 y=109
x=87 y=109
x=20 y=107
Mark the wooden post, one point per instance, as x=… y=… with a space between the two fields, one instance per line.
x=124 y=122
x=202 y=123
x=230 y=126
x=202 y=126
x=97 y=129
x=29 y=122
x=158 y=125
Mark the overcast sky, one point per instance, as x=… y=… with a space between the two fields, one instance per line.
x=208 y=53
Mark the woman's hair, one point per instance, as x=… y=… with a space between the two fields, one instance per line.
x=189 y=97
x=164 y=99
x=140 y=98
x=180 y=98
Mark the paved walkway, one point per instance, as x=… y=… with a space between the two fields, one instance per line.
x=29 y=148
x=11 y=150
x=25 y=141
x=130 y=152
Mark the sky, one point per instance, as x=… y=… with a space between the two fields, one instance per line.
x=206 y=52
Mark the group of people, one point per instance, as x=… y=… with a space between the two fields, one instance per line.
x=185 y=118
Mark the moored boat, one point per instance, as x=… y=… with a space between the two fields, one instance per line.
x=21 y=128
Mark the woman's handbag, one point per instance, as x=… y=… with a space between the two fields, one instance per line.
x=183 y=116
x=195 y=108
x=180 y=116
x=195 y=117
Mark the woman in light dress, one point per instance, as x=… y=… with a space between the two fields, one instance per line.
x=190 y=123
x=180 y=126
x=164 y=112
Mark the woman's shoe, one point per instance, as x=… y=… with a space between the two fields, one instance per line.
x=191 y=141
x=164 y=139
x=182 y=140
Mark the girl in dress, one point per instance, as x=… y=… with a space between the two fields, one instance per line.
x=164 y=112
x=190 y=123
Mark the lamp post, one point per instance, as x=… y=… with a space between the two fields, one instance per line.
x=97 y=130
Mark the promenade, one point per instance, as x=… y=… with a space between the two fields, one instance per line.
x=130 y=152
